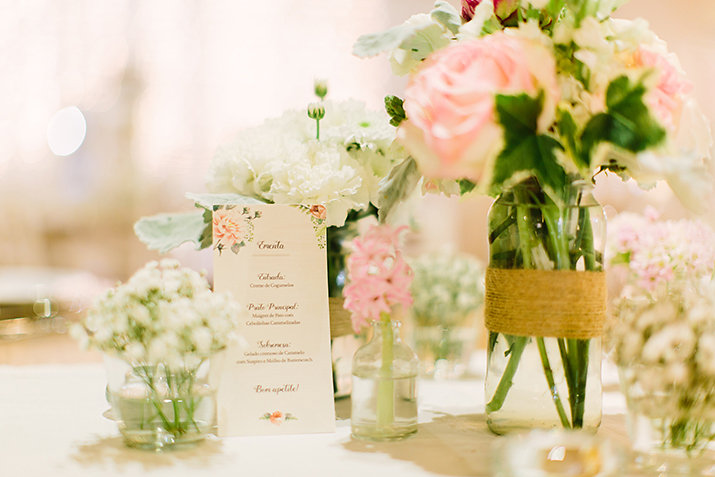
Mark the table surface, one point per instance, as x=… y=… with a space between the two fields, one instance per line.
x=52 y=423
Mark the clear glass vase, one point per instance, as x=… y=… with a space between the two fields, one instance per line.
x=444 y=349
x=665 y=436
x=544 y=309
x=157 y=408
x=384 y=396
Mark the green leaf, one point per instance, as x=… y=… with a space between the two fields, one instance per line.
x=554 y=8
x=208 y=201
x=167 y=231
x=526 y=153
x=375 y=43
x=394 y=107
x=627 y=122
x=568 y=131
x=447 y=15
x=465 y=186
x=397 y=186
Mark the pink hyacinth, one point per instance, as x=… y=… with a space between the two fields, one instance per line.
x=379 y=278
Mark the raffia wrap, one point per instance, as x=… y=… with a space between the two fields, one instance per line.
x=553 y=303
x=340 y=322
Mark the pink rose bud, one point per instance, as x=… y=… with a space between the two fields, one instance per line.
x=502 y=8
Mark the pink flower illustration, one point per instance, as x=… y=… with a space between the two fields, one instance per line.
x=276 y=417
x=319 y=212
x=226 y=230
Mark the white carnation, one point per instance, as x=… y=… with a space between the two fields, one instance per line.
x=281 y=161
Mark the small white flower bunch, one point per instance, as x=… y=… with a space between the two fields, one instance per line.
x=163 y=314
x=446 y=288
x=666 y=344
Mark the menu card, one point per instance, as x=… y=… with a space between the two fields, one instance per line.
x=279 y=380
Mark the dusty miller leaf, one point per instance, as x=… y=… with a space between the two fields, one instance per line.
x=397 y=186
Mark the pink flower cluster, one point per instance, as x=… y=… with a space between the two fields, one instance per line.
x=657 y=252
x=378 y=275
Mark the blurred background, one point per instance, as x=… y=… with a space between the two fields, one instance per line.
x=113 y=110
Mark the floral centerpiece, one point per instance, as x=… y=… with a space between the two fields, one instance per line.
x=165 y=324
x=384 y=403
x=663 y=335
x=528 y=100
x=337 y=156
x=448 y=289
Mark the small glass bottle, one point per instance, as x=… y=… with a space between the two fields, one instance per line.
x=384 y=397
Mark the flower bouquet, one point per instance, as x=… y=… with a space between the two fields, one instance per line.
x=164 y=324
x=384 y=400
x=527 y=100
x=336 y=158
x=448 y=289
x=663 y=337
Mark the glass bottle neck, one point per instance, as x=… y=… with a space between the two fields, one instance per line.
x=383 y=329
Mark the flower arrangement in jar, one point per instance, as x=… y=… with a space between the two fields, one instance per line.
x=384 y=371
x=663 y=336
x=528 y=101
x=165 y=324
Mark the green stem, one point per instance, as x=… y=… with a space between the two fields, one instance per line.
x=386 y=384
x=506 y=381
x=518 y=343
x=550 y=381
x=149 y=380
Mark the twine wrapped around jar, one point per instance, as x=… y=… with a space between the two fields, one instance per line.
x=547 y=303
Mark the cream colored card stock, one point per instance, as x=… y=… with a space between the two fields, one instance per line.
x=279 y=379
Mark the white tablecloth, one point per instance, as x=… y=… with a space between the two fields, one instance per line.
x=51 y=425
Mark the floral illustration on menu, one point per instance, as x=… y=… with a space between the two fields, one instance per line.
x=318 y=215
x=233 y=229
x=278 y=417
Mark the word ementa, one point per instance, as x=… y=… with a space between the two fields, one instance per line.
x=277 y=245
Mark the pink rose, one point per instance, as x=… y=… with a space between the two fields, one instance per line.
x=452 y=130
x=502 y=8
x=667 y=98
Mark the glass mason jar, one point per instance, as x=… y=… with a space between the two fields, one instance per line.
x=384 y=397
x=669 y=431
x=544 y=309
x=158 y=408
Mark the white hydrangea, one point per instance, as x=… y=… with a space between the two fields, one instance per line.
x=164 y=314
x=281 y=161
x=446 y=288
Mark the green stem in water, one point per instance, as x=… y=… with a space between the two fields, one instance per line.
x=550 y=381
x=386 y=384
x=518 y=343
x=506 y=381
